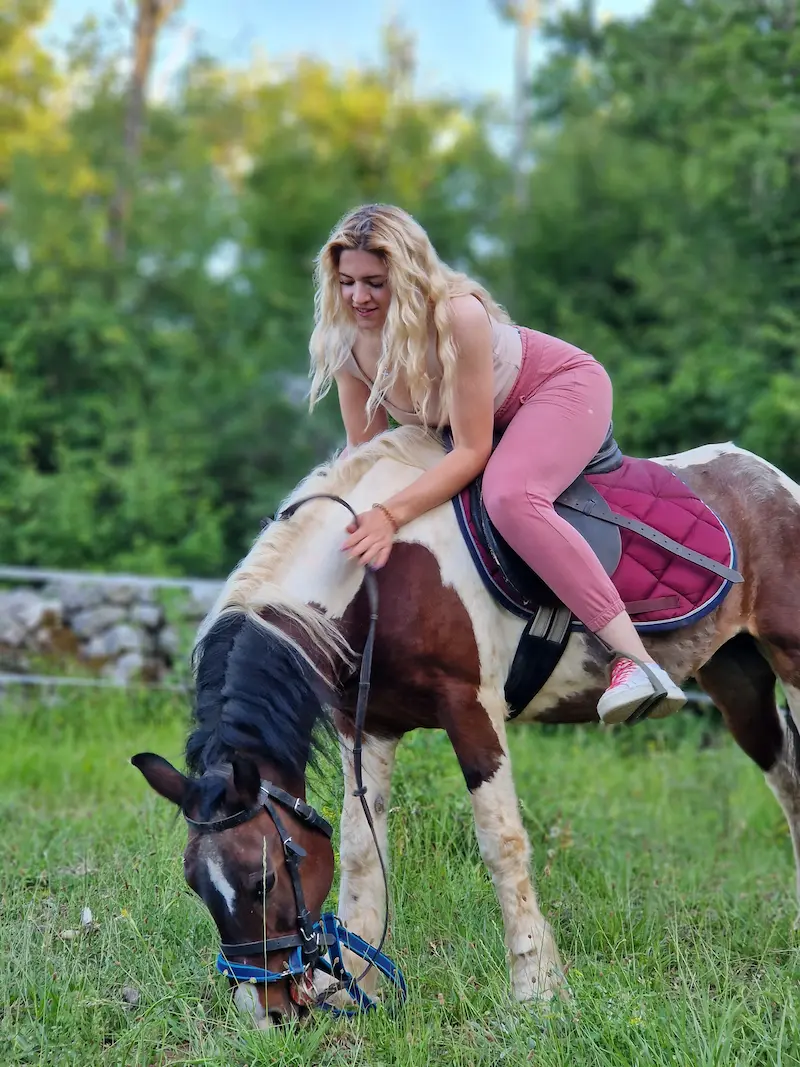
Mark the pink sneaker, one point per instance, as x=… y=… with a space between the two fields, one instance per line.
x=631 y=686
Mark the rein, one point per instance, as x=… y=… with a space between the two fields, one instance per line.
x=327 y=937
x=364 y=681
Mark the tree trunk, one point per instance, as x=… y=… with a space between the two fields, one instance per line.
x=527 y=15
x=150 y=17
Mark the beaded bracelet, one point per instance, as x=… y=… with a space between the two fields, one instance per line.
x=389 y=516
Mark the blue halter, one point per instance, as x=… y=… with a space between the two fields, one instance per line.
x=336 y=937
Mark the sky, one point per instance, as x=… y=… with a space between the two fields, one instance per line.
x=463 y=47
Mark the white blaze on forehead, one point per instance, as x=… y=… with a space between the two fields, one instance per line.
x=220 y=882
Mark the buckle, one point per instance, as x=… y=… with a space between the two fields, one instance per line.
x=294 y=849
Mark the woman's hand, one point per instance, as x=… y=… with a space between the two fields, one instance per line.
x=371 y=539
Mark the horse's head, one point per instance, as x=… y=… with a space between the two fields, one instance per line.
x=261 y=860
x=258 y=855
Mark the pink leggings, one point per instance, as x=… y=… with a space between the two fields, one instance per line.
x=556 y=418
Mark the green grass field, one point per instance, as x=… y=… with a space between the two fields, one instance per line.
x=663 y=863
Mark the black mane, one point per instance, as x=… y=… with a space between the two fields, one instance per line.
x=254 y=695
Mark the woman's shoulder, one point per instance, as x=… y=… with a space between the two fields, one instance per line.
x=467 y=309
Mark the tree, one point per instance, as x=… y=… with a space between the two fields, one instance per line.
x=151 y=15
x=665 y=235
x=154 y=430
x=526 y=15
x=27 y=81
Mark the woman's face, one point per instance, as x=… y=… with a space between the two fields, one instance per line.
x=364 y=284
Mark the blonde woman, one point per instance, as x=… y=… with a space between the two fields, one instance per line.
x=401 y=332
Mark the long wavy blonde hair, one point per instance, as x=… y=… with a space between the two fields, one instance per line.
x=421 y=288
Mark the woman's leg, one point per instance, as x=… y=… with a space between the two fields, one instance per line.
x=548 y=443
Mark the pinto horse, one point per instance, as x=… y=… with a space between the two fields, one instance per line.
x=282 y=644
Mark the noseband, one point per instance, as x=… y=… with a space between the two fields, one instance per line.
x=316 y=944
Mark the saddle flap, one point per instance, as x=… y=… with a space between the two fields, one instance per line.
x=585 y=510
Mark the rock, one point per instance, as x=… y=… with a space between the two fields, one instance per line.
x=117 y=593
x=95 y=648
x=126 y=668
x=150 y=616
x=130 y=995
x=168 y=642
x=43 y=639
x=112 y=643
x=75 y=596
x=23 y=612
x=95 y=620
x=29 y=610
x=123 y=638
x=35 y=612
x=12 y=633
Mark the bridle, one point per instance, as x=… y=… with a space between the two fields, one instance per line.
x=308 y=944
x=314 y=941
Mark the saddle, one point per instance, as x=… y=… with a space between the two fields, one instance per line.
x=669 y=571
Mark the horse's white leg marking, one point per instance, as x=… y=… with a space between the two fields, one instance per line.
x=784 y=780
x=220 y=882
x=536 y=968
x=362 y=899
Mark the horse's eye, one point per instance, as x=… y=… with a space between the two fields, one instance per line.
x=261 y=887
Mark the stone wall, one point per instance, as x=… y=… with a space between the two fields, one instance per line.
x=125 y=630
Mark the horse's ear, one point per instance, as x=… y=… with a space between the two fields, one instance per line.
x=162 y=776
x=246 y=779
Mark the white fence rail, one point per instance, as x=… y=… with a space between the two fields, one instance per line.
x=33 y=575
x=55 y=681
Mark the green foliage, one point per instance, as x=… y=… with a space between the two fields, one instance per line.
x=151 y=409
x=664 y=228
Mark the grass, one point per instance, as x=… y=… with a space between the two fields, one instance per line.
x=663 y=863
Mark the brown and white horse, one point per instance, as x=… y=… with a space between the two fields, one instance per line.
x=441 y=658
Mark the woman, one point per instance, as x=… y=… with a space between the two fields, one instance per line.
x=400 y=332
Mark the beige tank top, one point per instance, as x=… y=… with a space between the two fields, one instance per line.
x=506 y=359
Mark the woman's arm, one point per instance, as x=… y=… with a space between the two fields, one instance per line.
x=353 y=397
x=471 y=418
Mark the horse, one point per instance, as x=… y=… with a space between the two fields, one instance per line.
x=276 y=660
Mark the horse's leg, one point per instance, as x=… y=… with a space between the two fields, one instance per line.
x=741 y=683
x=362 y=898
x=476 y=729
x=783 y=650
